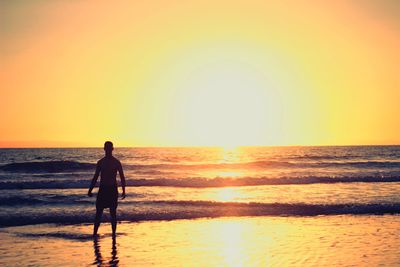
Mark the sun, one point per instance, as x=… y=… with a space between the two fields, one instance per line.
x=229 y=103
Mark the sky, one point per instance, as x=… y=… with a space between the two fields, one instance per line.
x=199 y=73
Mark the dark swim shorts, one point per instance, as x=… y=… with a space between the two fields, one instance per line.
x=107 y=197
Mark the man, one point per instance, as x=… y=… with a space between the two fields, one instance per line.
x=107 y=196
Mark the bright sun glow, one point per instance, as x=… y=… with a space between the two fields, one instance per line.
x=227 y=100
x=225 y=109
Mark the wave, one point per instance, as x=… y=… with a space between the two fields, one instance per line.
x=74 y=166
x=43 y=199
x=199 y=182
x=272 y=164
x=19 y=200
x=359 y=164
x=71 y=166
x=252 y=181
x=172 y=210
x=47 y=166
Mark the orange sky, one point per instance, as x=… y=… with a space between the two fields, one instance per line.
x=178 y=73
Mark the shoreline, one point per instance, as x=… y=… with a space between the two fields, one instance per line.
x=226 y=241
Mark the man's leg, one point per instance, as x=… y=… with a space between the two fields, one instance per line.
x=113 y=213
x=97 y=220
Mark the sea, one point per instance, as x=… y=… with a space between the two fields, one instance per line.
x=49 y=185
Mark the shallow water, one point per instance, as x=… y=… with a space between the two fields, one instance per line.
x=345 y=240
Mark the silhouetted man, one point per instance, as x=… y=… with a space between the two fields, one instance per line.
x=107 y=196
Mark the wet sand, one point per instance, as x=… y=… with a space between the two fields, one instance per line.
x=346 y=240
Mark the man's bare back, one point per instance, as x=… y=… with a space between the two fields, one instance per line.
x=109 y=167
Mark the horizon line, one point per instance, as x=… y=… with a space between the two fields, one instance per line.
x=198 y=146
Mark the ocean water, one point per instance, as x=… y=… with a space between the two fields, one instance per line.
x=39 y=186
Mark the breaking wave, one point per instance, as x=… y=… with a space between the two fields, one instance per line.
x=74 y=166
x=172 y=210
x=47 y=166
x=200 y=182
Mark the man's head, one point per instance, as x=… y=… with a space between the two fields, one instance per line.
x=108 y=147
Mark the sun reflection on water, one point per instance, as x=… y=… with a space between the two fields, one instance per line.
x=230 y=154
x=230 y=236
x=227 y=194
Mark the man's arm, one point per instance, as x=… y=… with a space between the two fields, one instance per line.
x=94 y=180
x=122 y=176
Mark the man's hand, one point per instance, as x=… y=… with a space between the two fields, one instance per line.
x=90 y=193
x=123 y=195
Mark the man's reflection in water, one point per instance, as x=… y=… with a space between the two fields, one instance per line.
x=98 y=258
